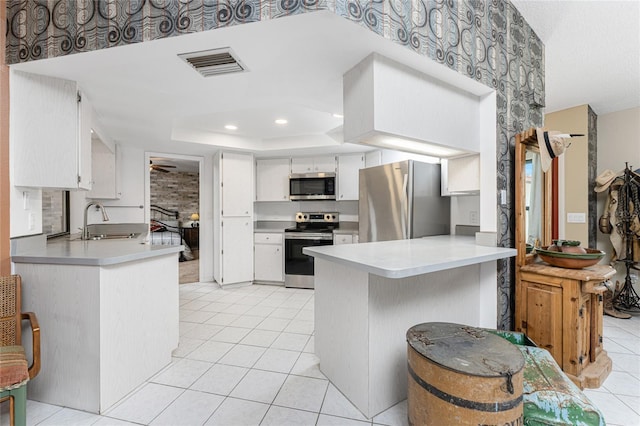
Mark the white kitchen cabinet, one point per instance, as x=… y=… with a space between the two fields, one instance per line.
x=348 y=173
x=233 y=197
x=460 y=176
x=268 y=257
x=342 y=239
x=237 y=184
x=313 y=164
x=272 y=179
x=237 y=252
x=373 y=158
x=105 y=171
x=50 y=133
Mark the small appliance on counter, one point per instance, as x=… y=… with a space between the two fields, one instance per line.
x=312 y=229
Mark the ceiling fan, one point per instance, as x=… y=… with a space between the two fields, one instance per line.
x=160 y=167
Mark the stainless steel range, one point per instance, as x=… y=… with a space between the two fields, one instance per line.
x=312 y=229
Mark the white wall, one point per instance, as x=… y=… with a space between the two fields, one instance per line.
x=128 y=208
x=465 y=210
x=384 y=96
x=617 y=143
x=26 y=211
x=286 y=210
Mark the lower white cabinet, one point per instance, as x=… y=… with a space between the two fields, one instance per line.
x=268 y=257
x=344 y=239
x=237 y=261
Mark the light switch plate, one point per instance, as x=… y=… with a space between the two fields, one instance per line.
x=576 y=217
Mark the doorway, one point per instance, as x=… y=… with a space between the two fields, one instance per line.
x=174 y=202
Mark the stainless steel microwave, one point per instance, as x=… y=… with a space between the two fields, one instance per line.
x=312 y=186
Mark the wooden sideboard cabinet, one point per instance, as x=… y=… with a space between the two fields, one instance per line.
x=561 y=311
x=192 y=239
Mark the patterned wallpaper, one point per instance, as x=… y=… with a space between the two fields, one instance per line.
x=487 y=40
x=592 y=159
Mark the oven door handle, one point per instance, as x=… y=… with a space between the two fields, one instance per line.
x=307 y=236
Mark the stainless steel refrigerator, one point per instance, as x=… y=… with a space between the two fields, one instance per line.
x=402 y=200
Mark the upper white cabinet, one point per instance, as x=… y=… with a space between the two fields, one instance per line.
x=272 y=179
x=105 y=171
x=50 y=133
x=348 y=173
x=313 y=164
x=373 y=158
x=237 y=184
x=461 y=175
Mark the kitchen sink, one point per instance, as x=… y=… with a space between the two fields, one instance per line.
x=116 y=231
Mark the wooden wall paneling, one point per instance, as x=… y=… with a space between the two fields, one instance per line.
x=5 y=255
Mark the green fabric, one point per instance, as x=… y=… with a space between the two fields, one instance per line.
x=549 y=397
x=514 y=337
x=20 y=403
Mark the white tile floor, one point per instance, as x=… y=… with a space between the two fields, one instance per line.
x=246 y=358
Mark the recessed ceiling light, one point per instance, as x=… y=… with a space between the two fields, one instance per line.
x=336 y=115
x=231 y=127
x=281 y=121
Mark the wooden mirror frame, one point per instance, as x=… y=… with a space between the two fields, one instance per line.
x=528 y=141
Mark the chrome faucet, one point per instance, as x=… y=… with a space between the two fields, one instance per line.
x=105 y=217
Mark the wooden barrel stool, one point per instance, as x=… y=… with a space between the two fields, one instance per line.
x=462 y=375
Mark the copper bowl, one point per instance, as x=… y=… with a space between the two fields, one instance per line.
x=570 y=260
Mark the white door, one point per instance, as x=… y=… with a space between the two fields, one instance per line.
x=324 y=164
x=272 y=179
x=44 y=131
x=85 y=112
x=237 y=184
x=302 y=165
x=237 y=250
x=348 y=170
x=268 y=262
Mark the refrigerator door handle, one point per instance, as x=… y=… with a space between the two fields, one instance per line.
x=405 y=207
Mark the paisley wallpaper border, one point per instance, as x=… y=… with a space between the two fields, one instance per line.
x=487 y=40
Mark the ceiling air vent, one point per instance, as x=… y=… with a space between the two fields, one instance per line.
x=213 y=62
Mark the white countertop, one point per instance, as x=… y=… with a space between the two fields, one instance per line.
x=406 y=258
x=93 y=253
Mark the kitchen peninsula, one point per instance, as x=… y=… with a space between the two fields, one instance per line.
x=108 y=312
x=368 y=295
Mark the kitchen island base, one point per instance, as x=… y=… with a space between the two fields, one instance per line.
x=361 y=320
x=105 y=329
